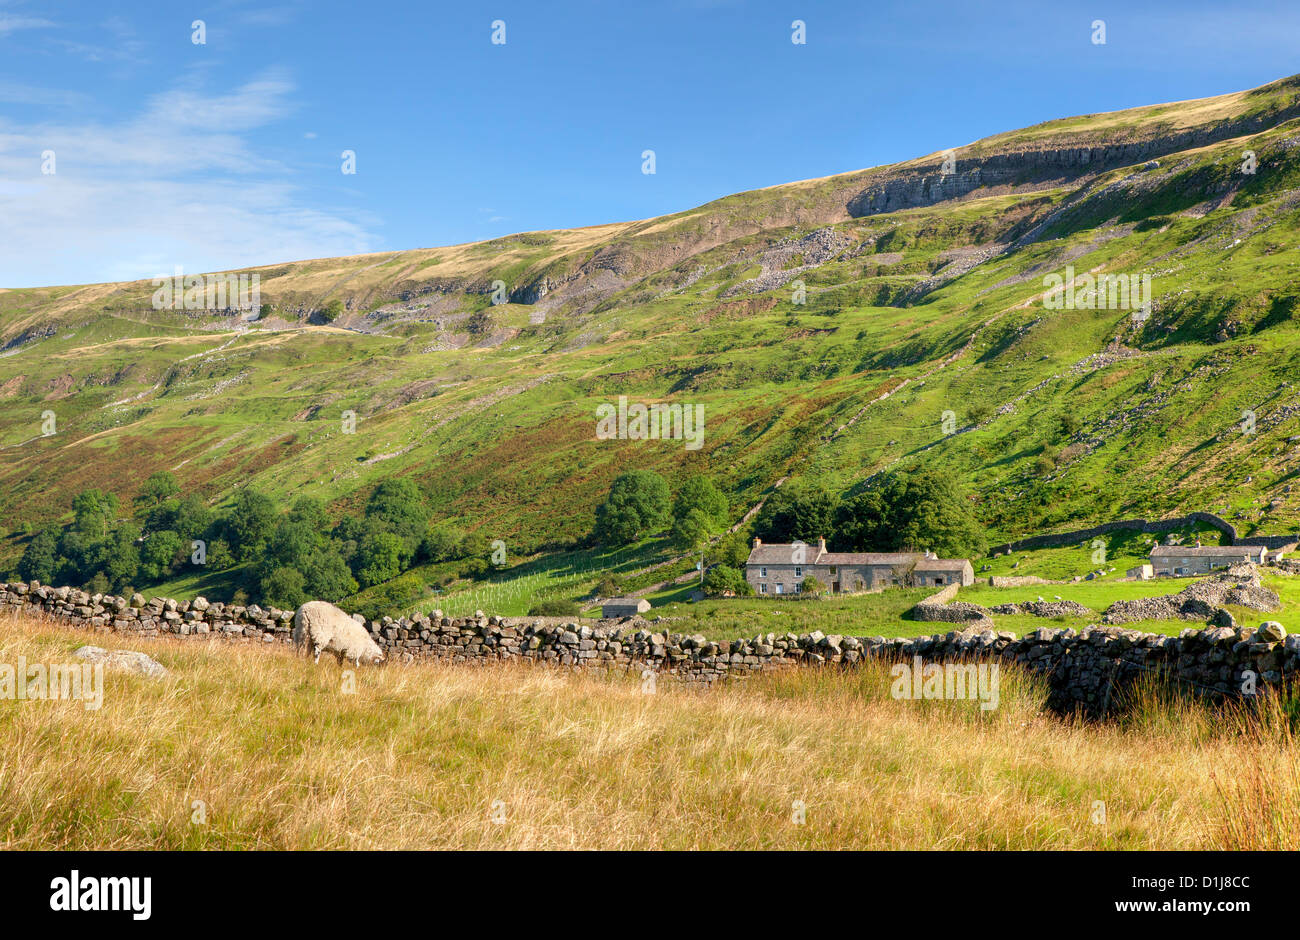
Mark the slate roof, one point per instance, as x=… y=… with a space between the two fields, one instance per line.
x=624 y=602
x=1212 y=551
x=942 y=564
x=783 y=554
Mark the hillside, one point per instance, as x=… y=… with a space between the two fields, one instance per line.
x=926 y=292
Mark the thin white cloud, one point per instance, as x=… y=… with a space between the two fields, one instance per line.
x=18 y=93
x=178 y=184
x=11 y=24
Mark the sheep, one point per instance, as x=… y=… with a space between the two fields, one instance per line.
x=322 y=626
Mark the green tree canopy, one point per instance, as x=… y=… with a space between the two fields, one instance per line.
x=250 y=524
x=721 y=579
x=159 y=487
x=40 y=558
x=637 y=506
x=398 y=505
x=691 y=531
x=158 y=553
x=94 y=512
x=284 y=587
x=328 y=577
x=380 y=556
x=699 y=493
x=799 y=511
x=442 y=543
x=121 y=557
x=912 y=511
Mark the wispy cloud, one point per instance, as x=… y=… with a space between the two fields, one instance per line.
x=179 y=183
x=17 y=93
x=11 y=24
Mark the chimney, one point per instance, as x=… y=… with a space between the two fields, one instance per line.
x=821 y=545
x=757 y=541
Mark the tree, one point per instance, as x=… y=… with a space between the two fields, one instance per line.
x=399 y=508
x=811 y=585
x=93 y=512
x=121 y=557
x=865 y=522
x=284 y=587
x=474 y=545
x=723 y=579
x=732 y=550
x=40 y=558
x=691 y=531
x=310 y=511
x=348 y=535
x=80 y=556
x=158 y=554
x=379 y=557
x=923 y=509
x=442 y=543
x=250 y=524
x=637 y=506
x=799 y=511
x=699 y=493
x=328 y=577
x=191 y=517
x=160 y=487
x=293 y=544
x=219 y=557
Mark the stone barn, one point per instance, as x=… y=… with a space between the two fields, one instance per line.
x=618 y=607
x=1180 y=561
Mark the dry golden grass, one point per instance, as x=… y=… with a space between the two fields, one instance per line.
x=418 y=755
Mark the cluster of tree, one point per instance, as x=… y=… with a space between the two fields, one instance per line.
x=908 y=511
x=904 y=511
x=639 y=505
x=104 y=552
x=299 y=555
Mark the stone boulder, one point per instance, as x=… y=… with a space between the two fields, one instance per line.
x=125 y=660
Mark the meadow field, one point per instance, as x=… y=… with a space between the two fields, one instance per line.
x=242 y=747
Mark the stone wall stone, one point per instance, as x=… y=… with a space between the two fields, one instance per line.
x=1085 y=670
x=1059 y=539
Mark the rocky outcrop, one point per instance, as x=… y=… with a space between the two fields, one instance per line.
x=1057 y=161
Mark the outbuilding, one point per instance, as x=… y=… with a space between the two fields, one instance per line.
x=618 y=607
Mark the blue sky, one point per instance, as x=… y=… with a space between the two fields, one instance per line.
x=228 y=153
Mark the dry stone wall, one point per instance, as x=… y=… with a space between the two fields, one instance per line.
x=1059 y=539
x=1086 y=670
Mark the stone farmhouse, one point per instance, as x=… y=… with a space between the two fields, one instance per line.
x=781 y=569
x=1184 y=560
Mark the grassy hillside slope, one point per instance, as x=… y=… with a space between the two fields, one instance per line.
x=924 y=295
